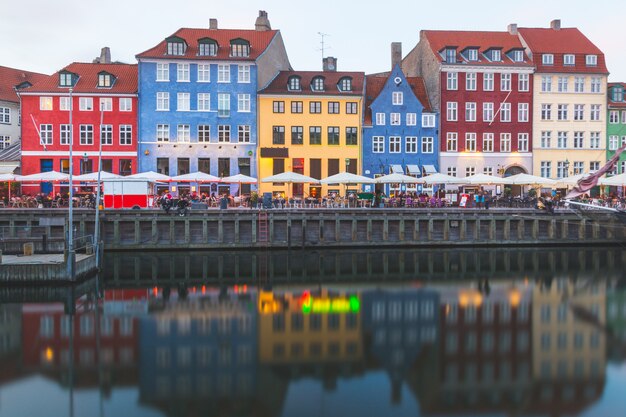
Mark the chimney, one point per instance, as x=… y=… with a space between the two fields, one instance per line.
x=512 y=28
x=262 y=22
x=213 y=24
x=555 y=24
x=105 y=56
x=396 y=54
x=330 y=64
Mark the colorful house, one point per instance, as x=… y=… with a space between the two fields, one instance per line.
x=199 y=109
x=310 y=123
x=103 y=99
x=400 y=127
x=569 y=130
x=481 y=83
x=616 y=124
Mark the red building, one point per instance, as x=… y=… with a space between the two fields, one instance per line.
x=482 y=84
x=103 y=99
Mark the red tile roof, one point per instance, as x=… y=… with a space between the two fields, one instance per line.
x=331 y=79
x=375 y=83
x=11 y=77
x=125 y=79
x=259 y=41
x=439 y=39
x=560 y=42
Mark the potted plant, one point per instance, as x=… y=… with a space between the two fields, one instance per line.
x=254 y=199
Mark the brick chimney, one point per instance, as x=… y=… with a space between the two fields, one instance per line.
x=213 y=24
x=330 y=64
x=396 y=54
x=105 y=56
x=262 y=22
x=512 y=28
x=555 y=24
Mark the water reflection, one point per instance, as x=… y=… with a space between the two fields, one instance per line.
x=518 y=345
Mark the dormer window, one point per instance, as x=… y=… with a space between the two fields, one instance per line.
x=345 y=84
x=591 y=60
x=207 y=47
x=547 y=59
x=496 y=55
x=294 y=83
x=239 y=48
x=618 y=94
x=66 y=79
x=105 y=80
x=472 y=54
x=176 y=46
x=317 y=84
x=451 y=55
x=569 y=59
x=518 y=56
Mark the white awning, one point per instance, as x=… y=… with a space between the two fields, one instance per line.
x=430 y=169
x=397 y=169
x=414 y=169
x=8 y=167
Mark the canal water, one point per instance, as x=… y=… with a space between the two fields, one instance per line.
x=483 y=332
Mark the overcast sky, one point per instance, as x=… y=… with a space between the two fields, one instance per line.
x=45 y=36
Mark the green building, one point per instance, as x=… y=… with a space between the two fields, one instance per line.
x=616 y=123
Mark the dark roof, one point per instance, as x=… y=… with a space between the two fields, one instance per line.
x=12 y=77
x=125 y=79
x=259 y=41
x=12 y=153
x=331 y=80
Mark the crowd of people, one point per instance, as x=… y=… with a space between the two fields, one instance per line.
x=50 y=200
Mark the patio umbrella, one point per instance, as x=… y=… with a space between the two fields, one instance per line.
x=290 y=178
x=441 y=179
x=239 y=179
x=8 y=178
x=527 y=179
x=617 y=180
x=93 y=177
x=49 y=176
x=149 y=176
x=483 y=179
x=347 y=178
x=196 y=177
x=399 y=179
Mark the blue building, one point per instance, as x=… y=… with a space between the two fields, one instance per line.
x=400 y=127
x=198 y=105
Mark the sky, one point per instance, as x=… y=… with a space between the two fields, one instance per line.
x=44 y=36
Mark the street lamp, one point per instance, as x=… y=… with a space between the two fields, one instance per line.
x=347 y=164
x=566 y=166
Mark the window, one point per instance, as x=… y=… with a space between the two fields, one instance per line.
x=547 y=59
x=45 y=134
x=243 y=74
x=594 y=166
x=293 y=83
x=106 y=134
x=523 y=83
x=579 y=84
x=106 y=104
x=204 y=133
x=278 y=135
x=624 y=117
x=333 y=135
x=522 y=142
x=85 y=103
x=345 y=84
x=315 y=107
x=317 y=84
x=546 y=111
x=411 y=119
x=569 y=59
x=518 y=56
x=175 y=48
x=505 y=112
x=163 y=133
x=452 y=142
x=488 y=81
x=64 y=105
x=394 y=119
x=207 y=48
x=487 y=142
x=163 y=72
x=428 y=120
x=243 y=103
x=297 y=135
x=380 y=119
x=204 y=102
x=468 y=172
x=315 y=135
x=470 y=81
x=351 y=136
x=182 y=72
x=522 y=112
x=333 y=107
x=450 y=55
x=505 y=82
x=351 y=107
x=428 y=145
x=579 y=138
x=546 y=139
x=204 y=73
x=5 y=114
x=45 y=103
x=614 y=117
x=488 y=170
x=451 y=111
x=487 y=112
x=595 y=112
x=505 y=142
x=562 y=84
x=244 y=133
x=452 y=173
x=613 y=143
x=594 y=140
x=278 y=106
x=395 y=144
x=296 y=107
x=452 y=81
x=579 y=111
x=163 y=101
x=86 y=134
x=561 y=169
x=472 y=54
x=596 y=83
x=411 y=144
x=126 y=104
x=397 y=98
x=182 y=102
x=562 y=112
x=579 y=167
x=65 y=79
x=378 y=144
x=496 y=55
x=561 y=140
x=126 y=134
x=223 y=105
x=591 y=60
x=546 y=169
x=66 y=133
x=223 y=133
x=223 y=73
x=470 y=112
x=183 y=133
x=470 y=142
x=546 y=83
x=239 y=48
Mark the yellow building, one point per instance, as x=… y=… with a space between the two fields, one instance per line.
x=310 y=123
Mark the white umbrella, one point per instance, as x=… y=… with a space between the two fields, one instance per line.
x=148 y=176
x=439 y=178
x=291 y=178
x=617 y=180
x=483 y=179
x=239 y=179
x=93 y=177
x=569 y=181
x=44 y=177
x=196 y=177
x=398 y=179
x=527 y=179
x=347 y=178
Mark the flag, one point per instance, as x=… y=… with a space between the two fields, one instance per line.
x=587 y=183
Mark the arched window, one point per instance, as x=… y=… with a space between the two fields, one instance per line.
x=345 y=84
x=294 y=83
x=317 y=84
x=207 y=47
x=239 y=48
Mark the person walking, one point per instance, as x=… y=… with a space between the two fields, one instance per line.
x=487 y=199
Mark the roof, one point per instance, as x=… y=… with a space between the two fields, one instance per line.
x=125 y=79
x=331 y=79
x=12 y=77
x=559 y=42
x=259 y=41
x=483 y=40
x=376 y=82
x=12 y=153
x=616 y=104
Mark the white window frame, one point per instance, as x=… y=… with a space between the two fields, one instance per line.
x=380 y=119
x=223 y=105
x=452 y=142
x=203 y=73
x=162 y=72
x=65 y=134
x=569 y=59
x=591 y=60
x=470 y=142
x=428 y=144
x=183 y=133
x=488 y=112
x=523 y=82
x=243 y=103
x=163 y=132
x=452 y=81
x=594 y=140
x=488 y=82
x=87 y=130
x=488 y=142
x=546 y=169
x=594 y=116
x=182 y=73
x=522 y=112
x=411 y=119
x=410 y=144
x=452 y=114
x=505 y=142
x=126 y=104
x=395 y=144
x=522 y=142
x=579 y=140
x=162 y=101
x=397 y=98
x=106 y=135
x=126 y=135
x=64 y=104
x=223 y=73
x=451 y=171
x=395 y=119
x=183 y=102
x=505 y=81
x=546 y=139
x=428 y=120
x=579 y=84
x=46 y=134
x=378 y=144
x=596 y=85
x=546 y=83
x=470 y=81
x=562 y=84
x=579 y=112
x=243 y=74
x=244 y=133
x=203 y=102
x=505 y=112
x=470 y=111
x=85 y=103
x=547 y=59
